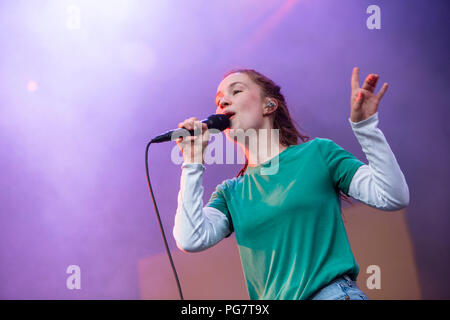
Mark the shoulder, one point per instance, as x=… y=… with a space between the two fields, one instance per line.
x=323 y=141
x=228 y=184
x=325 y=144
x=314 y=142
x=310 y=144
x=327 y=148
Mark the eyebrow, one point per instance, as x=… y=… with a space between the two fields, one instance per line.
x=231 y=85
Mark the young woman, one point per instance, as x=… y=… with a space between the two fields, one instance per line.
x=288 y=225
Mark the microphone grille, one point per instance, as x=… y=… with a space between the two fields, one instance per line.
x=219 y=122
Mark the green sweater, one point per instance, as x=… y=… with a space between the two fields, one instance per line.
x=288 y=224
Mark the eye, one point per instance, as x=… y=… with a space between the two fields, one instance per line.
x=234 y=93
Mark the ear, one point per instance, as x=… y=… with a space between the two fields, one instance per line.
x=270 y=106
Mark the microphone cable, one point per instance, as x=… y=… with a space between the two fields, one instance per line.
x=215 y=121
x=159 y=222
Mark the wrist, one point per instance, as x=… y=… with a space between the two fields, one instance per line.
x=373 y=118
x=195 y=160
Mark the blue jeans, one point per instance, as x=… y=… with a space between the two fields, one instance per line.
x=342 y=288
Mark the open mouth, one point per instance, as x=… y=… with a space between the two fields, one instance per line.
x=230 y=115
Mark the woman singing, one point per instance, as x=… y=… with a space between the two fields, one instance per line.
x=288 y=225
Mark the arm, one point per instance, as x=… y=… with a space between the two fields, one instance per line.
x=196 y=227
x=381 y=184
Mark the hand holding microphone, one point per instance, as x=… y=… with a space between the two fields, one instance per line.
x=194 y=142
x=193 y=147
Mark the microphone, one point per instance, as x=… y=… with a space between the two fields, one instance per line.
x=215 y=121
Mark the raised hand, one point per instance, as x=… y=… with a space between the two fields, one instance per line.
x=363 y=101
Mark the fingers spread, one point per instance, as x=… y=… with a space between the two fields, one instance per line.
x=355 y=78
x=382 y=91
x=370 y=82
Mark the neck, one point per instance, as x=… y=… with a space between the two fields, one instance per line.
x=262 y=146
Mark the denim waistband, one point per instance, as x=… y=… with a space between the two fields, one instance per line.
x=344 y=278
x=342 y=287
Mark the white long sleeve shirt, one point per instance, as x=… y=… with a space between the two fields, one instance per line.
x=380 y=184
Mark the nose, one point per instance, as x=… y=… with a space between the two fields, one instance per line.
x=223 y=103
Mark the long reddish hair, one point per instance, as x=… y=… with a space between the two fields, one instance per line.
x=288 y=132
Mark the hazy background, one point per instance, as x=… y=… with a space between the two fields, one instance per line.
x=84 y=85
